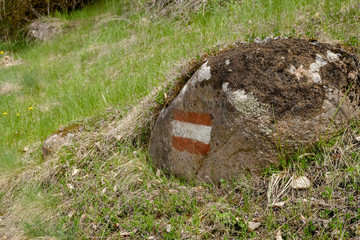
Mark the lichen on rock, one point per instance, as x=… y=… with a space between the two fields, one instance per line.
x=246 y=103
x=250 y=101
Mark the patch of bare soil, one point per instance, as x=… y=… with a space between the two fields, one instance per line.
x=8 y=88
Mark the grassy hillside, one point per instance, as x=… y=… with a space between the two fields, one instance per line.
x=110 y=56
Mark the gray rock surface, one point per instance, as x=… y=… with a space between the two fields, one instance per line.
x=57 y=140
x=249 y=104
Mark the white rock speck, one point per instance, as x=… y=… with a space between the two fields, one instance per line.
x=204 y=73
x=300 y=183
x=332 y=56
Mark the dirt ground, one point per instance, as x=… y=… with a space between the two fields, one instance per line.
x=264 y=70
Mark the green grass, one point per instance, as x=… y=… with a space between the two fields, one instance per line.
x=101 y=63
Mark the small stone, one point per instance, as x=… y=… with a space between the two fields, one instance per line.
x=301 y=183
x=158 y=173
x=168 y=228
x=267 y=39
x=278 y=235
x=357 y=138
x=151 y=238
x=252 y=226
x=278 y=204
x=257 y=40
x=125 y=234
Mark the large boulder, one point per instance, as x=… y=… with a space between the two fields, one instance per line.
x=250 y=104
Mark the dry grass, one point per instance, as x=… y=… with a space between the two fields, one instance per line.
x=45 y=29
x=9 y=61
x=104 y=186
x=8 y=88
x=104 y=190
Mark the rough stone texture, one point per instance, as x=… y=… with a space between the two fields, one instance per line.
x=242 y=105
x=58 y=139
x=8 y=61
x=45 y=29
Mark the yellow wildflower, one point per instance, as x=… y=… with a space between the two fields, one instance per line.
x=2 y=52
x=5 y=113
x=91 y=46
x=31 y=108
x=18 y=114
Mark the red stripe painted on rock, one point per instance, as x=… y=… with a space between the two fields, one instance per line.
x=194 y=147
x=192 y=117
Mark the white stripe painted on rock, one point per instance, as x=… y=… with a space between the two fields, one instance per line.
x=196 y=132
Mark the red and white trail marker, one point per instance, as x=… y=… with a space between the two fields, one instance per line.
x=191 y=132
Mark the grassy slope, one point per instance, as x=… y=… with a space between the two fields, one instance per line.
x=100 y=63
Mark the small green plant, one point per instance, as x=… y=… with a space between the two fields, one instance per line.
x=327 y=193
x=309 y=230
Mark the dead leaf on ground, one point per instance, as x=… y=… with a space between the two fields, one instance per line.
x=252 y=226
x=301 y=183
x=278 y=204
x=307 y=155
